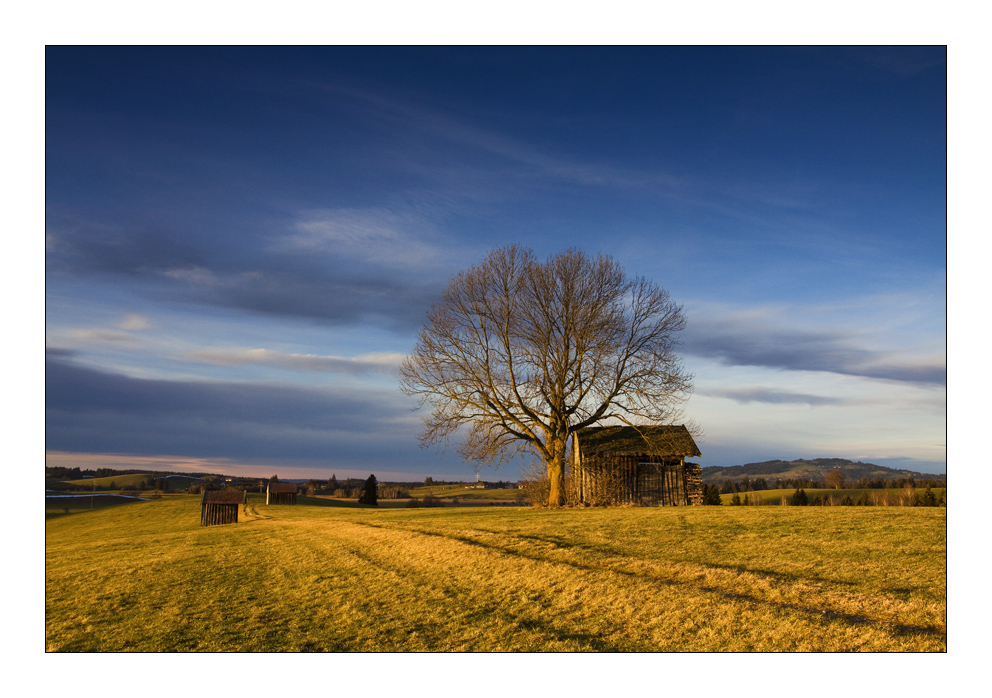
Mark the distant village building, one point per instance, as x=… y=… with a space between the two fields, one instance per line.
x=280 y=493
x=220 y=507
x=636 y=465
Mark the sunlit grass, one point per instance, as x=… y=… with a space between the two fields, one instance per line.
x=147 y=577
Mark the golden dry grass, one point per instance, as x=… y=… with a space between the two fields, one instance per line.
x=146 y=577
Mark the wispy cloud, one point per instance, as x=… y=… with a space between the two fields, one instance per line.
x=337 y=267
x=382 y=238
x=756 y=337
x=384 y=363
x=100 y=336
x=134 y=322
x=529 y=160
x=771 y=396
x=103 y=412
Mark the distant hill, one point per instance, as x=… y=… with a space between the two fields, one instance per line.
x=816 y=468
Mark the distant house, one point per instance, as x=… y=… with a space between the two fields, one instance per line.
x=636 y=465
x=280 y=493
x=220 y=507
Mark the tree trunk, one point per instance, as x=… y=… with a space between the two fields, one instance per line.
x=556 y=478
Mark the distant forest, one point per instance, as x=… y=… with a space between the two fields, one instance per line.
x=816 y=473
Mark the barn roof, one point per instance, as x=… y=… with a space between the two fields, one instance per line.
x=223 y=497
x=658 y=441
x=282 y=487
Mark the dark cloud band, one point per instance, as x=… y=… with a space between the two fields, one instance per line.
x=94 y=411
x=823 y=351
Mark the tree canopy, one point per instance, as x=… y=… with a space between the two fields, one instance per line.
x=523 y=353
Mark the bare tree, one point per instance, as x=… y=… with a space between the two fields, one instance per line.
x=835 y=479
x=525 y=353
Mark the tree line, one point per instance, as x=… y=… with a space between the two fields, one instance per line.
x=910 y=496
x=833 y=480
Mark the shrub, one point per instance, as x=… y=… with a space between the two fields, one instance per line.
x=428 y=501
x=847 y=501
x=799 y=498
x=735 y=500
x=881 y=498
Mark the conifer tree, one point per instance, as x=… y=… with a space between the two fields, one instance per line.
x=370 y=493
x=711 y=495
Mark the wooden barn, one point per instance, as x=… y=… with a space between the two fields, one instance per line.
x=280 y=493
x=220 y=507
x=642 y=465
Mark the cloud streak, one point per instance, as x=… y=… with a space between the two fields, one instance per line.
x=771 y=396
x=102 y=412
x=830 y=351
x=369 y=364
x=337 y=269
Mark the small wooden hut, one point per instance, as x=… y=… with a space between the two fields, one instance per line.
x=636 y=465
x=220 y=507
x=280 y=493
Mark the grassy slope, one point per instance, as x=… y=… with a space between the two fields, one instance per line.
x=814 y=469
x=146 y=577
x=176 y=483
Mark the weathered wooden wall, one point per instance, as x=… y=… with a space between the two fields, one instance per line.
x=212 y=514
x=281 y=498
x=630 y=480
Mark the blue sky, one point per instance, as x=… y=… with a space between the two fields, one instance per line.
x=241 y=244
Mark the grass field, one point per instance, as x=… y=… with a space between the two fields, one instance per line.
x=459 y=491
x=147 y=577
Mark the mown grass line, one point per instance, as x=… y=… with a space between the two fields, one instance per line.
x=148 y=578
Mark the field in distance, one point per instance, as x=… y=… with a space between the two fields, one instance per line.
x=462 y=492
x=146 y=577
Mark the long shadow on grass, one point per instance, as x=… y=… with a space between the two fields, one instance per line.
x=587 y=641
x=895 y=628
x=607 y=550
